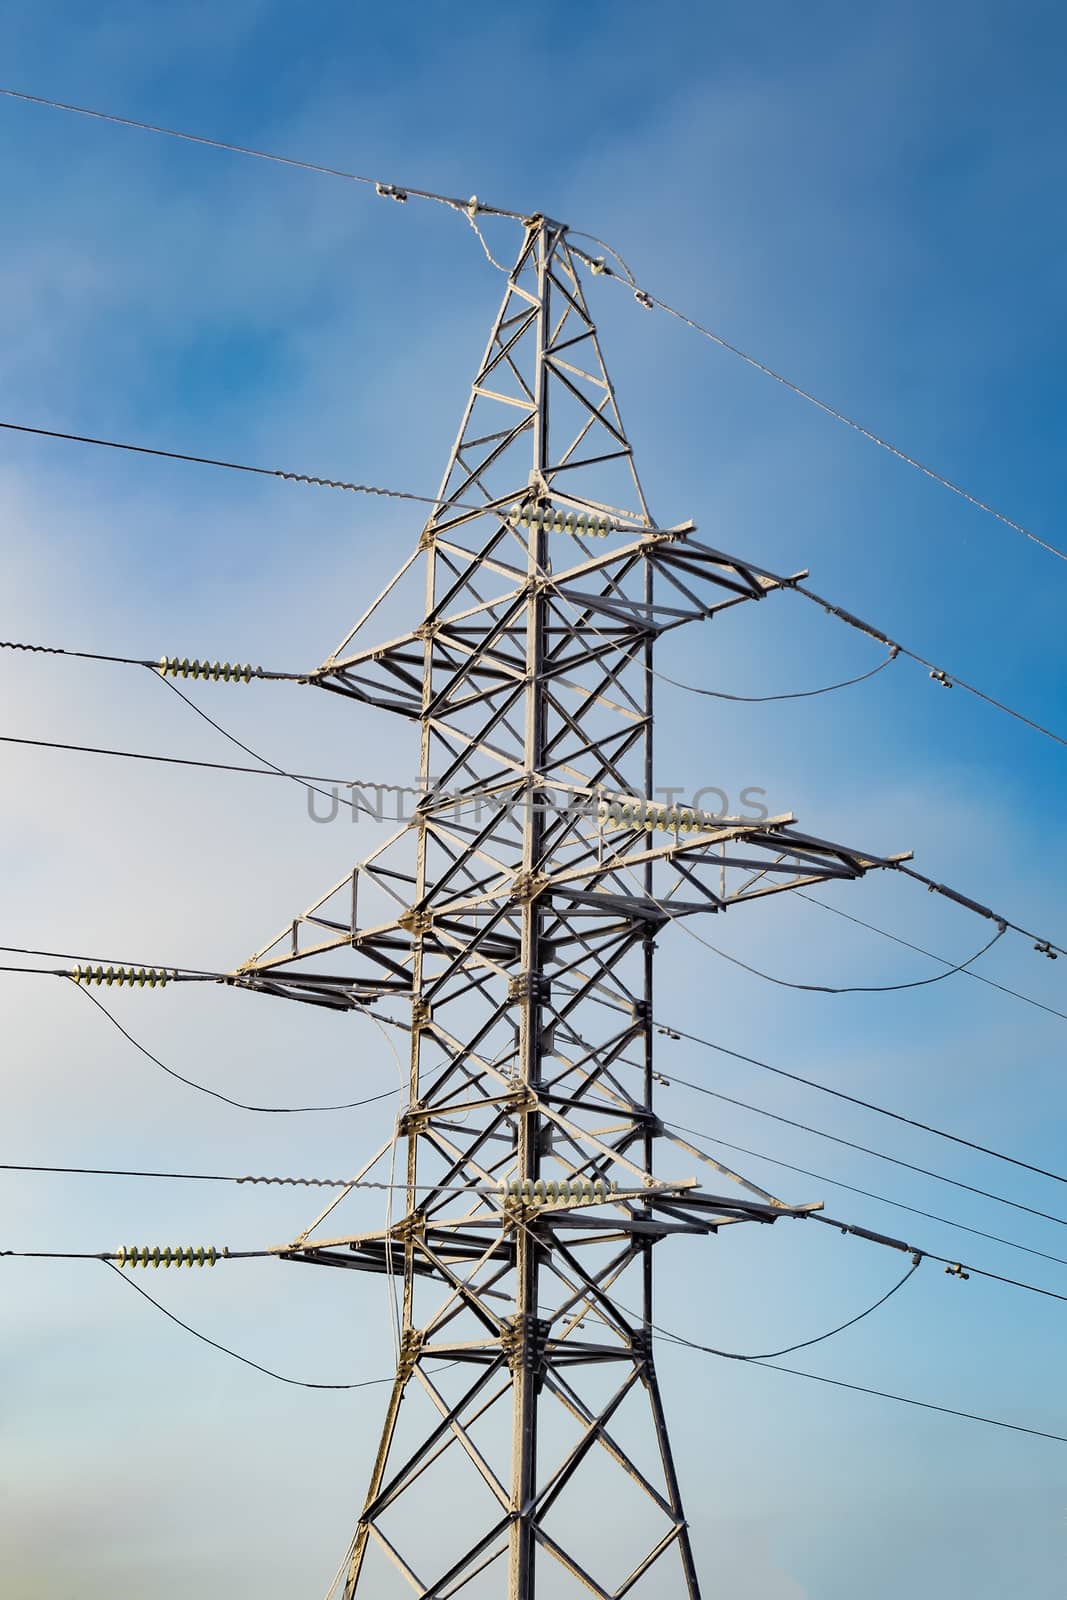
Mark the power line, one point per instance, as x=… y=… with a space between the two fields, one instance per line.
x=796 y=694
x=215 y=1094
x=868 y=1194
x=311 y=788
x=473 y=207
x=960 y=1269
x=948 y=679
x=901 y=1399
x=804 y=1344
x=299 y=1383
x=388 y=190
x=867 y=1105
x=979 y=977
x=850 y=988
x=880 y=1155
x=648 y=300
x=157 y=665
x=234 y=466
x=306 y=778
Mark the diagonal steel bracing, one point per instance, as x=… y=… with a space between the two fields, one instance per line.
x=514 y=916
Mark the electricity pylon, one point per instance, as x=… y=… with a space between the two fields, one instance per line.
x=516 y=912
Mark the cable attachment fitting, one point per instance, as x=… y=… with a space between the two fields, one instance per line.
x=472 y=207
x=224 y=671
x=181 y=1255
x=130 y=977
x=1043 y=948
x=389 y=191
x=643 y=298
x=941 y=677
x=954 y=1270
x=598 y=265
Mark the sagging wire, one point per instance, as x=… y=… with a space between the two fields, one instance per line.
x=794 y=694
x=1015 y=994
x=312 y=788
x=217 y=1094
x=279 y=1377
x=822 y=988
x=803 y=1344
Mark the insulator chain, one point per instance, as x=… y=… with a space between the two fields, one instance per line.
x=556 y=521
x=217 y=671
x=181 y=1255
x=137 y=977
x=542 y=1191
x=634 y=813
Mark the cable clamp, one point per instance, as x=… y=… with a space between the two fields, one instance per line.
x=954 y=1270
x=643 y=298
x=940 y=677
x=389 y=191
x=1043 y=948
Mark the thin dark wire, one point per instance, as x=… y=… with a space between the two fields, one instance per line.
x=905 y=1400
x=732 y=1355
x=979 y=977
x=850 y=1144
x=238 y=466
x=838 y=416
x=868 y=1194
x=119 y=1172
x=353 y=805
x=397 y=494
x=84 y=655
x=214 y=1093
x=1046 y=946
x=762 y=699
x=850 y=988
x=946 y=678
x=256 y=673
x=867 y=1105
x=176 y=761
x=299 y=1383
x=261 y=155
x=66 y=955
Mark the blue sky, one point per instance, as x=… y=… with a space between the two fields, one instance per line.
x=867 y=199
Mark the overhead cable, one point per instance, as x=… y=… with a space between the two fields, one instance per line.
x=763 y=699
x=856 y=1100
x=299 y=1383
x=216 y=1094
x=388 y=191
x=979 y=977
x=868 y=1194
x=648 y=300
x=880 y=1155
x=473 y=207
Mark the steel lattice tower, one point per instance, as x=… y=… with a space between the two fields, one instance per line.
x=516 y=914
